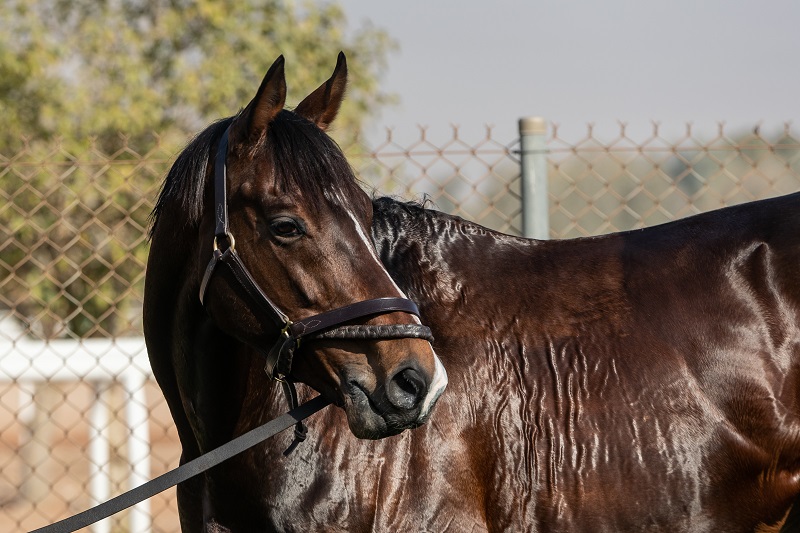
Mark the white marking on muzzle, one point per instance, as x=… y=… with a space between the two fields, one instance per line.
x=438 y=384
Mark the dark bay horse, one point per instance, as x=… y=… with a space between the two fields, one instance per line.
x=641 y=381
x=261 y=240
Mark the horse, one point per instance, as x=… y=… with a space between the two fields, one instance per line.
x=638 y=381
x=261 y=273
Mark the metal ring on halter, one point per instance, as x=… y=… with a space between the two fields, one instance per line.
x=231 y=241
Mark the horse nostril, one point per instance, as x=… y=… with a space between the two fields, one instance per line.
x=406 y=389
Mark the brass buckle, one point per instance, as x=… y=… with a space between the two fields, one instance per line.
x=230 y=238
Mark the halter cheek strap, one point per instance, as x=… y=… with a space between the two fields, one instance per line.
x=328 y=325
x=221 y=187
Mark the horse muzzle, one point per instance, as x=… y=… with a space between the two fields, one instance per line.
x=404 y=401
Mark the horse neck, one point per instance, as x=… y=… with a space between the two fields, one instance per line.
x=408 y=239
x=438 y=259
x=455 y=271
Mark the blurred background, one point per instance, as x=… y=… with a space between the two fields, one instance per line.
x=651 y=112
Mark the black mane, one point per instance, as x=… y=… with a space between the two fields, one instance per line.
x=183 y=186
x=304 y=157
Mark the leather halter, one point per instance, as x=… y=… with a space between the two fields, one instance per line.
x=327 y=325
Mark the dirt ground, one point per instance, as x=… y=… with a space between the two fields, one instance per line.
x=34 y=495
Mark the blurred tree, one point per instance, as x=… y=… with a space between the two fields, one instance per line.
x=96 y=97
x=81 y=68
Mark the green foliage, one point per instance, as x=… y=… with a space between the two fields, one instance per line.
x=80 y=68
x=90 y=89
x=73 y=230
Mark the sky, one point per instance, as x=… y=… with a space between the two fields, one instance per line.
x=473 y=63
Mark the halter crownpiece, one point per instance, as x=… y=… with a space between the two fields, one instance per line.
x=324 y=326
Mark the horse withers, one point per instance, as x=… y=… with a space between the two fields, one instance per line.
x=261 y=257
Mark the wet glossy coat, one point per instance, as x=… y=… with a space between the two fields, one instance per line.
x=643 y=381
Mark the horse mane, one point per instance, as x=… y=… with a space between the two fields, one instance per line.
x=390 y=217
x=304 y=159
x=184 y=182
x=398 y=204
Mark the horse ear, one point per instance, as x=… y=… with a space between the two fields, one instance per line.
x=321 y=106
x=268 y=102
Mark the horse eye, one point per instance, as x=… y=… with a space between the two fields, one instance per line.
x=285 y=227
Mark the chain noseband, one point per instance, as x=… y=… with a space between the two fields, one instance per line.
x=327 y=325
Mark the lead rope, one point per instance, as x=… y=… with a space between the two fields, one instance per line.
x=186 y=470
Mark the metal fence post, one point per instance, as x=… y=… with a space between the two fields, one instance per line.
x=533 y=168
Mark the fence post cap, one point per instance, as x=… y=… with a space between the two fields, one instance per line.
x=532 y=126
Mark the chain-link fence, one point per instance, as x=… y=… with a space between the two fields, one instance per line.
x=80 y=417
x=619 y=184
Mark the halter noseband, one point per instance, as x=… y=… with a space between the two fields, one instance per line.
x=327 y=325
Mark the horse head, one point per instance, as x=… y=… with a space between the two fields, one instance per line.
x=294 y=225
